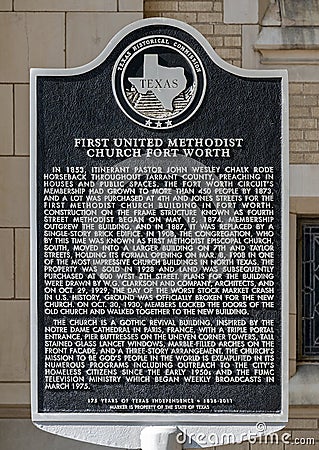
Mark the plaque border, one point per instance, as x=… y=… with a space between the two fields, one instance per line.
x=161 y=418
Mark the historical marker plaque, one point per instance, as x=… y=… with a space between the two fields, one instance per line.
x=159 y=234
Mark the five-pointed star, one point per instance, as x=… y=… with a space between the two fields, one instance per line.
x=168 y=123
x=158 y=124
x=148 y=123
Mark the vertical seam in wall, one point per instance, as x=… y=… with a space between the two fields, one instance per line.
x=13 y=119
x=14 y=263
x=241 y=46
x=65 y=39
x=12 y=5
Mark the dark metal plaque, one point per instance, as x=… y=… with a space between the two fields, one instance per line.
x=159 y=234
